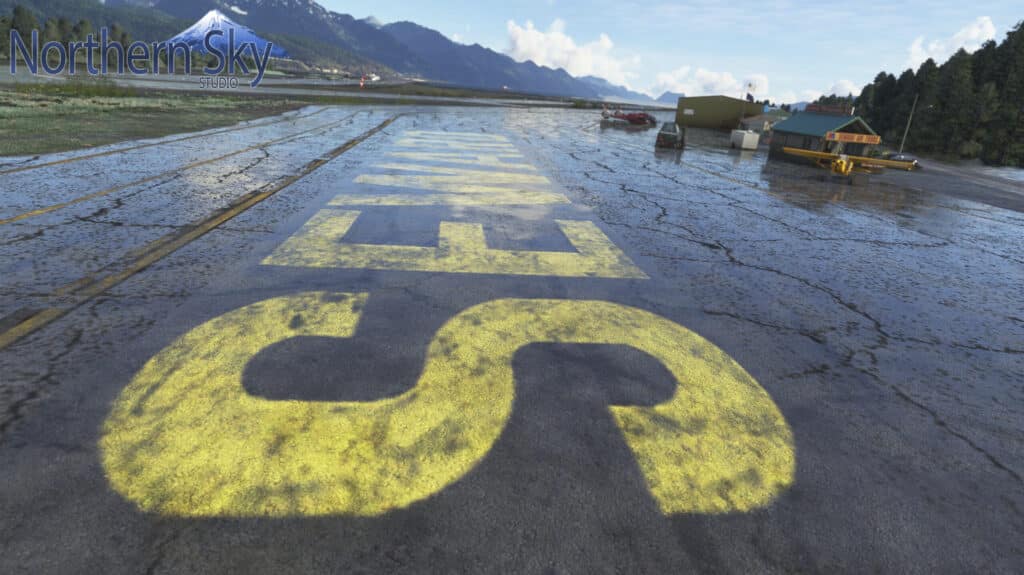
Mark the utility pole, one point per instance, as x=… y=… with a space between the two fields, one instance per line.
x=909 y=119
x=743 y=105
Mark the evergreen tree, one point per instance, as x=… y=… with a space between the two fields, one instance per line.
x=885 y=90
x=24 y=21
x=956 y=103
x=82 y=30
x=1007 y=148
x=50 y=32
x=987 y=108
x=924 y=136
x=5 y=36
x=984 y=63
x=865 y=103
x=899 y=107
x=65 y=30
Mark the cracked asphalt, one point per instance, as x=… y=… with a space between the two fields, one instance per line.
x=883 y=322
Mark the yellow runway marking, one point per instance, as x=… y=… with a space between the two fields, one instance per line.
x=193 y=165
x=456 y=145
x=458 y=196
x=452 y=184
x=473 y=136
x=88 y=288
x=460 y=181
x=30 y=325
x=161 y=143
x=461 y=248
x=185 y=439
x=484 y=160
x=488 y=176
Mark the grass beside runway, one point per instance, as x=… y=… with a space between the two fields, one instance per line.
x=41 y=118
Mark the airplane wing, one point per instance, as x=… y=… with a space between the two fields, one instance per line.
x=845 y=164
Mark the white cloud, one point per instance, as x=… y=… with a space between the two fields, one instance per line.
x=702 y=82
x=810 y=95
x=970 y=38
x=843 y=88
x=556 y=49
x=456 y=37
x=791 y=97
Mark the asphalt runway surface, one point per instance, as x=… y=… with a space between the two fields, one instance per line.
x=439 y=340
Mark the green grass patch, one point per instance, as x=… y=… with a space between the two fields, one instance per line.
x=75 y=89
x=47 y=117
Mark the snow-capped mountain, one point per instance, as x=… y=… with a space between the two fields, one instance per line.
x=195 y=35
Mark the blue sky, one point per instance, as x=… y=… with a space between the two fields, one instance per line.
x=789 y=50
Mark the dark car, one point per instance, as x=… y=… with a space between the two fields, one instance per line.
x=900 y=157
x=671 y=136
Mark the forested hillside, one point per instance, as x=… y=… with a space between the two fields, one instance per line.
x=972 y=106
x=144 y=23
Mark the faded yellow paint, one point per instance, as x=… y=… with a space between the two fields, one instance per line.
x=448 y=184
x=504 y=161
x=450 y=177
x=457 y=196
x=87 y=288
x=467 y=175
x=461 y=248
x=456 y=145
x=185 y=439
x=439 y=135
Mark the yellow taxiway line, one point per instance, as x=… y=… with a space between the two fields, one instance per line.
x=89 y=288
x=121 y=187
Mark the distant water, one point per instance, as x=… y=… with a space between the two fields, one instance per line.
x=1015 y=174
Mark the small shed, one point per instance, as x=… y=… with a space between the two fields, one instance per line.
x=817 y=132
x=763 y=123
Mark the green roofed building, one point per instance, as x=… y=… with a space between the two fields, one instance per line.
x=820 y=132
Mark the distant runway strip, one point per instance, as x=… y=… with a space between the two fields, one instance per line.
x=163 y=142
x=87 y=288
x=193 y=165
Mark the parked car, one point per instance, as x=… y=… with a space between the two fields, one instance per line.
x=671 y=136
x=899 y=157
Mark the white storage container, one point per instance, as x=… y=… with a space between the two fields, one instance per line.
x=744 y=139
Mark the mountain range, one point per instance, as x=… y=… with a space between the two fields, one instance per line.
x=318 y=36
x=671 y=98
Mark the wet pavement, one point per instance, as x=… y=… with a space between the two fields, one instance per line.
x=486 y=340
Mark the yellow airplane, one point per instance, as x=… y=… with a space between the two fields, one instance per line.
x=844 y=164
